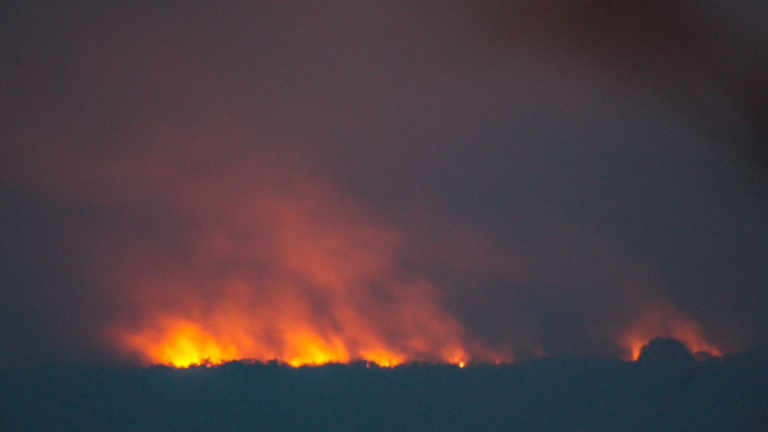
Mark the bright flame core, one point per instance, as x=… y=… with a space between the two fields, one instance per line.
x=182 y=343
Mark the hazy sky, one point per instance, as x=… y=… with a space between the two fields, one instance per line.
x=513 y=180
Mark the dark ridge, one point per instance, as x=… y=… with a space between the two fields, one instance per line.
x=717 y=394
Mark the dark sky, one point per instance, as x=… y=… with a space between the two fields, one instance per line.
x=509 y=179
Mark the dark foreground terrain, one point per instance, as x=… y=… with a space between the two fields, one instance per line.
x=728 y=394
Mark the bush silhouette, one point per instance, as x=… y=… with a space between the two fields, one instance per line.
x=666 y=351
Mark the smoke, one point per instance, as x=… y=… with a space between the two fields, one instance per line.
x=288 y=269
x=704 y=57
x=353 y=181
x=267 y=258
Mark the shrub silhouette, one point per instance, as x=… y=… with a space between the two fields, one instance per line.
x=666 y=351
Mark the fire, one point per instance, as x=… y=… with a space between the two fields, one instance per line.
x=304 y=277
x=664 y=320
x=182 y=343
x=289 y=331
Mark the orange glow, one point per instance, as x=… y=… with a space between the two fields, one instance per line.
x=227 y=335
x=664 y=320
x=182 y=343
x=303 y=277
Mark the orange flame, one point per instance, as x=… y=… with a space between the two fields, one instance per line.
x=294 y=336
x=304 y=279
x=664 y=320
x=181 y=343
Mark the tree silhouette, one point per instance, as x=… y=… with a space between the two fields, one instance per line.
x=666 y=351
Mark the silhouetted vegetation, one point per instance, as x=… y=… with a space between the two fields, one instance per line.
x=719 y=394
x=667 y=351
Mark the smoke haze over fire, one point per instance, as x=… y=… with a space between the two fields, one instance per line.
x=298 y=274
x=357 y=181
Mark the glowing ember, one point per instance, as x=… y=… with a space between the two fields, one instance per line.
x=663 y=320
